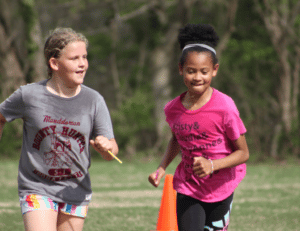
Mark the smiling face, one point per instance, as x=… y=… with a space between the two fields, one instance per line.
x=70 y=68
x=198 y=71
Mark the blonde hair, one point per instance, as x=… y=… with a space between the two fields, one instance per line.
x=57 y=41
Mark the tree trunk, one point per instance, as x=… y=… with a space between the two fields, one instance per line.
x=12 y=75
x=296 y=85
x=285 y=91
x=113 y=55
x=21 y=46
x=37 y=67
x=161 y=59
x=161 y=86
x=231 y=9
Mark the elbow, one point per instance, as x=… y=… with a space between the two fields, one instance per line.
x=246 y=156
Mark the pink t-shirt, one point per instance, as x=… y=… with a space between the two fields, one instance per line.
x=209 y=132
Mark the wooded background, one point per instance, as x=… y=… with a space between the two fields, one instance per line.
x=133 y=57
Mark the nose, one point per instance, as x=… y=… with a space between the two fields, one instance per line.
x=82 y=62
x=198 y=76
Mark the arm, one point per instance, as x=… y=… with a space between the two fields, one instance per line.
x=101 y=144
x=203 y=167
x=2 y=123
x=171 y=152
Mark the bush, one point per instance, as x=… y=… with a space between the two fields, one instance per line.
x=11 y=141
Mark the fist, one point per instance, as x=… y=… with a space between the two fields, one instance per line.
x=202 y=167
x=155 y=177
x=101 y=144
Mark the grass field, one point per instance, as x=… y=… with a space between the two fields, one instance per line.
x=123 y=200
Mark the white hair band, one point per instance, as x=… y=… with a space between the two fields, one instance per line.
x=200 y=45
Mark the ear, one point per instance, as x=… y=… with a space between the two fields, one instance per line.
x=53 y=64
x=180 y=67
x=215 y=70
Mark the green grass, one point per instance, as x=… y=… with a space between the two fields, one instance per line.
x=123 y=200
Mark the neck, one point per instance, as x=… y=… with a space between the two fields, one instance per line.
x=59 y=88
x=195 y=101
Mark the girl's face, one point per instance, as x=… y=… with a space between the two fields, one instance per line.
x=198 y=71
x=72 y=65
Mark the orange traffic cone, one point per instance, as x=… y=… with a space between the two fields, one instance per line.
x=167 y=218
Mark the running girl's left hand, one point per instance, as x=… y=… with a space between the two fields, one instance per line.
x=202 y=167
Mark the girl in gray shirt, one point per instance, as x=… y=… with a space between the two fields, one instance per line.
x=61 y=118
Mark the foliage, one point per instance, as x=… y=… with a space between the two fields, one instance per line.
x=11 y=141
x=133 y=127
x=123 y=36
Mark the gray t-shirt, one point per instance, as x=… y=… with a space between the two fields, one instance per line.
x=55 y=154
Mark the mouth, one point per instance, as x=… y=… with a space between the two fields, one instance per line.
x=197 y=84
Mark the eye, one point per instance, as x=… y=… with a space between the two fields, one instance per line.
x=205 y=71
x=190 y=71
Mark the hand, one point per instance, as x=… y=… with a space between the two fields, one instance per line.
x=155 y=177
x=101 y=144
x=202 y=167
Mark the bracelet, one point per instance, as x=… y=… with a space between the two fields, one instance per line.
x=212 y=166
x=156 y=176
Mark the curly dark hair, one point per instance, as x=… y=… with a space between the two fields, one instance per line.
x=197 y=33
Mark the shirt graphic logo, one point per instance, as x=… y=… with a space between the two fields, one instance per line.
x=59 y=155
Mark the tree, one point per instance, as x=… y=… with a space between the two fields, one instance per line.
x=21 y=56
x=164 y=30
x=21 y=59
x=282 y=20
x=12 y=75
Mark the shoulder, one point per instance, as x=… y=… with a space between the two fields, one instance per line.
x=173 y=103
x=34 y=85
x=27 y=91
x=31 y=88
x=92 y=95
x=223 y=101
x=90 y=92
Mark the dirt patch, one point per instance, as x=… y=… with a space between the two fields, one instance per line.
x=8 y=211
x=9 y=204
x=127 y=204
x=129 y=194
x=115 y=185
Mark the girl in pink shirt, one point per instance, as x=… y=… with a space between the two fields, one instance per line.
x=207 y=130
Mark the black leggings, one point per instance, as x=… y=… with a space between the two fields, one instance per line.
x=195 y=215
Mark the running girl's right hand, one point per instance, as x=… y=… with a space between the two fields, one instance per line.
x=155 y=177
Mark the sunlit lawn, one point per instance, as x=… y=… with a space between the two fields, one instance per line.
x=123 y=200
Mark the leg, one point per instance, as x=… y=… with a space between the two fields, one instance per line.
x=71 y=217
x=40 y=220
x=39 y=213
x=67 y=222
x=218 y=214
x=190 y=214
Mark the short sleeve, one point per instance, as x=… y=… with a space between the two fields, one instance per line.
x=166 y=110
x=170 y=109
x=102 y=122
x=233 y=124
x=13 y=107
